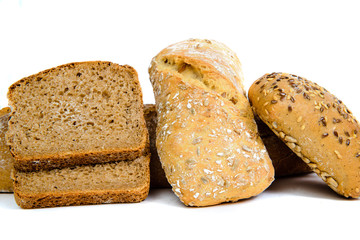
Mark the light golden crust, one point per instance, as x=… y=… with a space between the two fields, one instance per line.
x=6 y=159
x=207 y=138
x=314 y=124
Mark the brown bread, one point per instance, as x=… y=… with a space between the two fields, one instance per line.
x=123 y=181
x=77 y=113
x=6 y=159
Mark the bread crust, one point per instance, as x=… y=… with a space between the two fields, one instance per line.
x=286 y=163
x=157 y=174
x=314 y=124
x=73 y=158
x=207 y=139
x=6 y=159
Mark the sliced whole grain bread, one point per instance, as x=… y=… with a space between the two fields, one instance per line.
x=75 y=114
x=118 y=182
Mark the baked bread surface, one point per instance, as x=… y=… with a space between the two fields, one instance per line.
x=286 y=163
x=77 y=113
x=6 y=159
x=315 y=124
x=207 y=138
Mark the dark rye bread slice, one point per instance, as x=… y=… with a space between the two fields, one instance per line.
x=77 y=113
x=119 y=182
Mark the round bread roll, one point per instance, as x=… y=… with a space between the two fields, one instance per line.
x=314 y=124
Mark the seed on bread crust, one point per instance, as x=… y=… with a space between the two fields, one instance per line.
x=324 y=128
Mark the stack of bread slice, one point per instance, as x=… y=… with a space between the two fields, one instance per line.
x=78 y=136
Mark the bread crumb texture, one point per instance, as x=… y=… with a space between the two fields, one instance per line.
x=123 y=181
x=84 y=109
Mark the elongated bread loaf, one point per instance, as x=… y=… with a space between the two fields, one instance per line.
x=77 y=113
x=314 y=124
x=285 y=161
x=207 y=138
x=6 y=159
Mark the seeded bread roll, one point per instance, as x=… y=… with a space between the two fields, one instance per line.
x=285 y=161
x=77 y=113
x=118 y=182
x=157 y=174
x=6 y=159
x=207 y=138
x=314 y=124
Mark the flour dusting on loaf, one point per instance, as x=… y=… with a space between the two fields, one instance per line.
x=207 y=139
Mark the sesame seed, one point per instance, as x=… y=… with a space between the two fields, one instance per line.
x=347 y=142
x=290 y=139
x=299 y=119
x=324 y=135
x=338 y=154
x=246 y=148
x=292 y=99
x=340 y=140
x=282 y=135
x=273 y=101
x=336 y=134
x=302 y=127
x=289 y=108
x=207 y=171
x=357 y=155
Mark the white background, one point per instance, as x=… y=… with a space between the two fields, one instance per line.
x=318 y=40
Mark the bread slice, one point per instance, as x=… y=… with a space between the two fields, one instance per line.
x=77 y=113
x=123 y=181
x=6 y=159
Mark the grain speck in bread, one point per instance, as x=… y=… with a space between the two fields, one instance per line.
x=77 y=113
x=207 y=139
x=117 y=182
x=6 y=159
x=315 y=124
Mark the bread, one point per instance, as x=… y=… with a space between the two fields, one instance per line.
x=6 y=159
x=314 y=124
x=207 y=139
x=286 y=163
x=117 y=182
x=157 y=174
x=74 y=114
